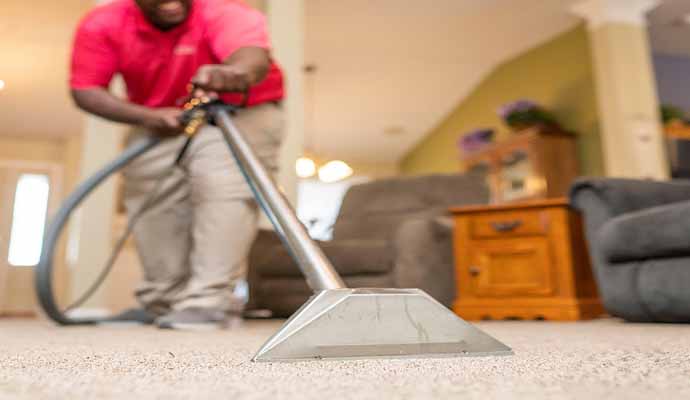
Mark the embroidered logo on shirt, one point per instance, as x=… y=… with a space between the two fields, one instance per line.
x=184 y=50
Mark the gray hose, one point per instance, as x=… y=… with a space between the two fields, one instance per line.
x=44 y=269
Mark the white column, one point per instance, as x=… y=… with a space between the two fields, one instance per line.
x=632 y=137
x=286 y=23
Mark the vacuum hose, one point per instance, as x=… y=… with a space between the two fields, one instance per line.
x=44 y=268
x=317 y=269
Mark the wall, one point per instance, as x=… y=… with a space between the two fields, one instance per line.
x=373 y=170
x=362 y=169
x=557 y=74
x=16 y=148
x=673 y=80
x=286 y=24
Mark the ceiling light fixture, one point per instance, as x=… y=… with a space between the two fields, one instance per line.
x=305 y=167
x=334 y=171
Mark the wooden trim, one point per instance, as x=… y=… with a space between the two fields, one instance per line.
x=585 y=310
x=23 y=314
x=544 y=203
x=531 y=302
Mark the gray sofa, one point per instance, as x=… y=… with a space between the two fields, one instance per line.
x=639 y=239
x=389 y=233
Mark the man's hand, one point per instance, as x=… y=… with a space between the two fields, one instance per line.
x=244 y=68
x=222 y=78
x=163 y=121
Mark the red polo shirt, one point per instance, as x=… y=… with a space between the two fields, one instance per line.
x=156 y=65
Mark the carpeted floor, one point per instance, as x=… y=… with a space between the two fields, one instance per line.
x=600 y=359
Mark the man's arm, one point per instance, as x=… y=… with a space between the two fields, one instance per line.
x=98 y=101
x=94 y=63
x=243 y=69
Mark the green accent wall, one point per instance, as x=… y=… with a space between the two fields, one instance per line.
x=557 y=75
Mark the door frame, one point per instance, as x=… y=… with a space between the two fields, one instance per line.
x=15 y=168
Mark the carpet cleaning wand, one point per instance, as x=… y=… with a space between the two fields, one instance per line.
x=342 y=323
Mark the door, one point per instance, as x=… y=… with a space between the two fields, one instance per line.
x=28 y=193
x=511 y=267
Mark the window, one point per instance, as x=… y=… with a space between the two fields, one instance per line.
x=28 y=219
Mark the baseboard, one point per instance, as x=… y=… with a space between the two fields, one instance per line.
x=84 y=313
x=20 y=314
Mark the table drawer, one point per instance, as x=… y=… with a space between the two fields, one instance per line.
x=510 y=224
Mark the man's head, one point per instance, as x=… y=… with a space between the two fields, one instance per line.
x=165 y=14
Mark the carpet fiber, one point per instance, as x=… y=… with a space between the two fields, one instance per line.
x=600 y=359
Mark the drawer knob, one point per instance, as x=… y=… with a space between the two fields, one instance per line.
x=474 y=270
x=506 y=226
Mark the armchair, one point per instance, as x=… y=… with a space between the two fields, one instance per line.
x=639 y=239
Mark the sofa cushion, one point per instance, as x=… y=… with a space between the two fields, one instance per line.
x=380 y=226
x=655 y=232
x=350 y=257
x=395 y=195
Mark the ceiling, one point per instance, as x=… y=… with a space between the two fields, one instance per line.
x=387 y=71
x=401 y=66
x=667 y=31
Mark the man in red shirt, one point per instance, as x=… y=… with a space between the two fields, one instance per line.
x=194 y=243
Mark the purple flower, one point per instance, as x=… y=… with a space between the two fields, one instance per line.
x=516 y=106
x=475 y=140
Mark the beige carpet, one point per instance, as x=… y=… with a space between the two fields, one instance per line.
x=601 y=359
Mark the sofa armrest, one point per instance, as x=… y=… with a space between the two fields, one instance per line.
x=636 y=236
x=423 y=257
x=265 y=243
x=621 y=196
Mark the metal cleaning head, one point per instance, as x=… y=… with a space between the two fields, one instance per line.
x=373 y=323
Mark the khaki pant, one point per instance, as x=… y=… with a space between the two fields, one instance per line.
x=194 y=242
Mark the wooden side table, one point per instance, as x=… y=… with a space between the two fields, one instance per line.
x=523 y=260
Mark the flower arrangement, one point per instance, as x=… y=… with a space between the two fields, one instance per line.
x=523 y=114
x=475 y=140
